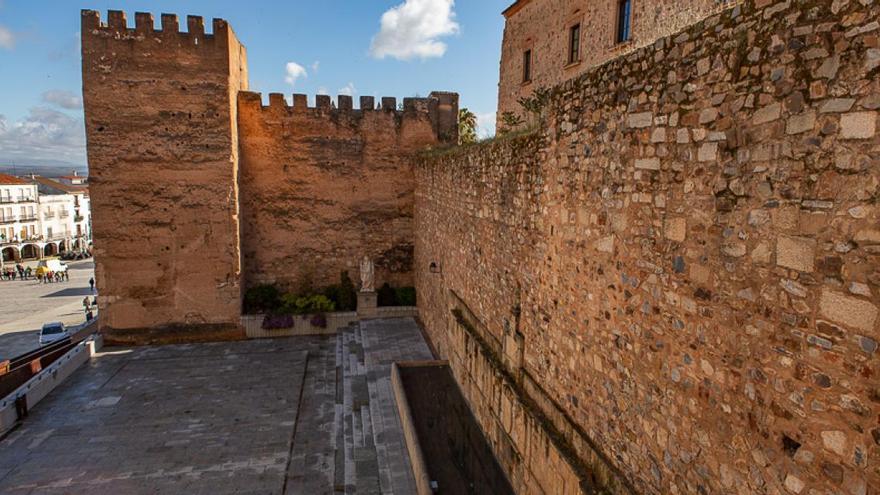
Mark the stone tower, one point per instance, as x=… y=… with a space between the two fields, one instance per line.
x=161 y=127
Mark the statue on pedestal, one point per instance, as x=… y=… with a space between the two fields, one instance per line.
x=368 y=282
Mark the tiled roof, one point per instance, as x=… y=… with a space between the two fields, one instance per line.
x=54 y=184
x=7 y=180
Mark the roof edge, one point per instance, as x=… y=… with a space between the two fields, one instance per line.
x=514 y=8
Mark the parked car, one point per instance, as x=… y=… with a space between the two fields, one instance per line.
x=53 y=332
x=46 y=266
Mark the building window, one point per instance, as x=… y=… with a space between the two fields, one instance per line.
x=624 y=16
x=574 y=44
x=527 y=66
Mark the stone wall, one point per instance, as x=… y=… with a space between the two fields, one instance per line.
x=543 y=27
x=674 y=287
x=162 y=149
x=323 y=186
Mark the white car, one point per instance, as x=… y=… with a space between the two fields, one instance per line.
x=53 y=332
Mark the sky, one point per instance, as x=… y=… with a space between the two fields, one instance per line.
x=376 y=48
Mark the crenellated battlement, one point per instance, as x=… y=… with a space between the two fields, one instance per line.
x=117 y=27
x=440 y=108
x=344 y=103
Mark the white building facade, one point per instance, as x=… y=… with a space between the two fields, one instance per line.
x=41 y=217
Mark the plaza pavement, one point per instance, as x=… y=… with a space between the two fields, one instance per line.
x=301 y=415
x=26 y=305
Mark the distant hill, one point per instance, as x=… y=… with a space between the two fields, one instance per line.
x=46 y=168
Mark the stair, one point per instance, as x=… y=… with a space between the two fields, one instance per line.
x=357 y=468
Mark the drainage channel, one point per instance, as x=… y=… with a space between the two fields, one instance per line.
x=449 y=453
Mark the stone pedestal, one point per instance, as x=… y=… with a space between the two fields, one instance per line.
x=367 y=307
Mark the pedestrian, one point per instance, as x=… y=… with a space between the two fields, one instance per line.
x=86 y=304
x=13 y=275
x=28 y=272
x=66 y=276
x=92 y=283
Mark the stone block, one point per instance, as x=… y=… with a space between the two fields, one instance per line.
x=848 y=311
x=367 y=306
x=801 y=123
x=640 y=120
x=796 y=253
x=837 y=105
x=767 y=114
x=658 y=135
x=648 y=163
x=858 y=125
x=675 y=229
x=708 y=152
x=605 y=244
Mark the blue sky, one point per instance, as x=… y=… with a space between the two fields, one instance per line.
x=363 y=47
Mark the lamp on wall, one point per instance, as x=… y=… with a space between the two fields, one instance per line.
x=434 y=267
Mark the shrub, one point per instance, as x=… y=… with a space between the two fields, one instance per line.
x=385 y=296
x=277 y=322
x=347 y=293
x=298 y=305
x=343 y=295
x=319 y=320
x=262 y=298
x=406 y=296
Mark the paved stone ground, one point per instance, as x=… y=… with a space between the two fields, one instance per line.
x=26 y=305
x=305 y=415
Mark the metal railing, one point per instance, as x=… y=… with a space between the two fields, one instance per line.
x=49 y=215
x=27 y=218
x=5 y=220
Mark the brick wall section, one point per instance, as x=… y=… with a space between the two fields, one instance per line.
x=161 y=137
x=543 y=26
x=683 y=270
x=322 y=186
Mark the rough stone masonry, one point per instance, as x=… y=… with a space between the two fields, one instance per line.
x=194 y=179
x=672 y=287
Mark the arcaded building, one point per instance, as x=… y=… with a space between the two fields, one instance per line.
x=549 y=41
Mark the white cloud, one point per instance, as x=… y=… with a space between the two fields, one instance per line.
x=411 y=30
x=349 y=89
x=64 y=99
x=485 y=125
x=44 y=134
x=7 y=39
x=315 y=65
x=294 y=71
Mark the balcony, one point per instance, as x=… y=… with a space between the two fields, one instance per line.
x=27 y=218
x=49 y=215
x=64 y=214
x=25 y=199
x=78 y=218
x=7 y=220
x=7 y=200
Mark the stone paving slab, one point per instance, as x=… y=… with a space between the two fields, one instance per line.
x=301 y=415
x=155 y=420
